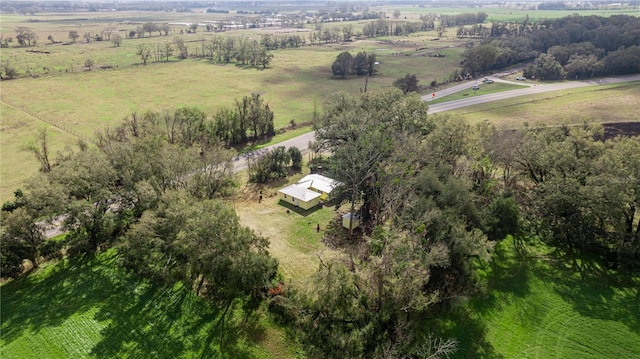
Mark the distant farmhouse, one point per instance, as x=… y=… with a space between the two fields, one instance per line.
x=309 y=191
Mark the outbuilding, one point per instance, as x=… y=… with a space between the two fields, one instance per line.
x=346 y=218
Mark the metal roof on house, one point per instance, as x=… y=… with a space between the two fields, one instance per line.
x=299 y=192
x=319 y=182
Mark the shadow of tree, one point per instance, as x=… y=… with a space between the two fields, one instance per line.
x=470 y=331
x=48 y=299
x=507 y=275
x=142 y=320
x=508 y=272
x=595 y=291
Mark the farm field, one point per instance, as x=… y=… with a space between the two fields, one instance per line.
x=510 y=13
x=69 y=100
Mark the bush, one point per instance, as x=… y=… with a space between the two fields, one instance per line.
x=52 y=249
x=296 y=158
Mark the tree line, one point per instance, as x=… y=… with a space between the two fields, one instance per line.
x=427 y=22
x=572 y=47
x=99 y=192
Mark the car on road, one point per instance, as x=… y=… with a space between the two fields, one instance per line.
x=487 y=81
x=521 y=78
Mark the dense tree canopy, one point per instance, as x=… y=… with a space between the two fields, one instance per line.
x=421 y=227
x=201 y=244
x=362 y=64
x=434 y=194
x=583 y=46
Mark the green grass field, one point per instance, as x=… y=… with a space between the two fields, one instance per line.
x=543 y=306
x=546 y=307
x=601 y=104
x=86 y=101
x=80 y=309
x=82 y=102
x=510 y=12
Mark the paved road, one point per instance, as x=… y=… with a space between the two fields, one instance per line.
x=302 y=141
x=535 y=89
x=468 y=84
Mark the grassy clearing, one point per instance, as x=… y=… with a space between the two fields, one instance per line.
x=545 y=307
x=603 y=103
x=80 y=309
x=17 y=130
x=293 y=237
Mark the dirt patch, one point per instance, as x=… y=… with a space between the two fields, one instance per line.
x=628 y=129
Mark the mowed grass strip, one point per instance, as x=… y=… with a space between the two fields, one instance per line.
x=544 y=307
x=93 y=308
x=601 y=104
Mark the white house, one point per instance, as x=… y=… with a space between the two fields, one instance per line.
x=319 y=183
x=309 y=191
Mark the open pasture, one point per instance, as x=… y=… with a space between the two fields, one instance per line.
x=510 y=12
x=70 y=96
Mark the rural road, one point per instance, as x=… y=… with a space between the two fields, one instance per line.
x=531 y=90
x=302 y=142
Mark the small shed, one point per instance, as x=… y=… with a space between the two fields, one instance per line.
x=346 y=218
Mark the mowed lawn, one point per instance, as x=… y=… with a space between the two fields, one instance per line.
x=543 y=306
x=93 y=308
x=547 y=307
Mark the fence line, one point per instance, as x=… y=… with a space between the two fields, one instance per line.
x=52 y=123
